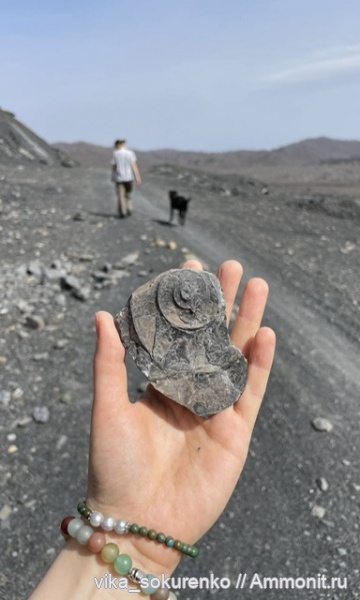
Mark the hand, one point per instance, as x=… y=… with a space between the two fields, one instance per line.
x=156 y=463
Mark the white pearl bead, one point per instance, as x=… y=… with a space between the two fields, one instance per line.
x=96 y=518
x=121 y=526
x=84 y=534
x=73 y=526
x=107 y=524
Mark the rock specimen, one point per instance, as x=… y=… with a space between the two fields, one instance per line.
x=174 y=327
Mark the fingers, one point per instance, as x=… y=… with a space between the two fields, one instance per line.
x=110 y=380
x=250 y=314
x=260 y=362
x=193 y=264
x=229 y=274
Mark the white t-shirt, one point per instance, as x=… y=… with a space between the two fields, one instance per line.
x=123 y=159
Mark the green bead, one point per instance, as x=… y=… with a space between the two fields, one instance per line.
x=184 y=548
x=149 y=589
x=134 y=528
x=81 y=506
x=161 y=537
x=143 y=531
x=86 y=512
x=109 y=552
x=177 y=545
x=170 y=541
x=122 y=564
x=193 y=551
x=152 y=534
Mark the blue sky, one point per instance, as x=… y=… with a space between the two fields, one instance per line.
x=199 y=75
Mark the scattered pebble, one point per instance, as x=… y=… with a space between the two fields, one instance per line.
x=17 y=393
x=23 y=421
x=3 y=360
x=5 y=397
x=12 y=449
x=321 y=424
x=5 y=513
x=60 y=344
x=41 y=414
x=172 y=245
x=322 y=484
x=35 y=322
x=41 y=356
x=11 y=437
x=61 y=441
x=318 y=511
x=130 y=259
x=65 y=398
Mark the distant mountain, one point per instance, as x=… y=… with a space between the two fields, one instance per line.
x=315 y=151
x=18 y=144
x=305 y=153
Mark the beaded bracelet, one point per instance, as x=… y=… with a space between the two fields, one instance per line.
x=121 y=526
x=110 y=553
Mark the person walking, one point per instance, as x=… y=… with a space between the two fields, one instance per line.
x=124 y=170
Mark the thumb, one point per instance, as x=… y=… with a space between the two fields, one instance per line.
x=110 y=378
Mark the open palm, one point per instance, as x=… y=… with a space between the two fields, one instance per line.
x=156 y=463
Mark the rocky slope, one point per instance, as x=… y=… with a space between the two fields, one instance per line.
x=18 y=144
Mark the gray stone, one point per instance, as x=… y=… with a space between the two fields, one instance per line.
x=5 y=397
x=174 y=327
x=41 y=414
x=130 y=259
x=142 y=386
x=321 y=424
x=35 y=322
x=80 y=216
x=34 y=268
x=82 y=293
x=40 y=356
x=61 y=441
x=60 y=300
x=65 y=398
x=322 y=484
x=318 y=511
x=60 y=344
x=5 y=512
x=54 y=274
x=23 y=421
x=70 y=282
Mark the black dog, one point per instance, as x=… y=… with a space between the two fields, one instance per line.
x=180 y=204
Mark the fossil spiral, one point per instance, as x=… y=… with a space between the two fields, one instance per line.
x=174 y=327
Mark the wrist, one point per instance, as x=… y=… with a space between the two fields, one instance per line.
x=84 y=574
x=150 y=547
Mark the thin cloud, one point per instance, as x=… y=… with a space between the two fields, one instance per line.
x=337 y=51
x=316 y=70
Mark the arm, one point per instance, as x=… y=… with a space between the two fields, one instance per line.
x=168 y=486
x=136 y=172
x=113 y=172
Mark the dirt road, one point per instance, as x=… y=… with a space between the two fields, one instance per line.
x=295 y=510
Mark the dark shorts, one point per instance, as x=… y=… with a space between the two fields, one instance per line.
x=128 y=185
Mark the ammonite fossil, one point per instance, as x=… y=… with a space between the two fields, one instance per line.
x=174 y=327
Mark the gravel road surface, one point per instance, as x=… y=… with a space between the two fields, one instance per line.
x=65 y=255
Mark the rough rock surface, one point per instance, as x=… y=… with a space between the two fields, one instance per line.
x=175 y=329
